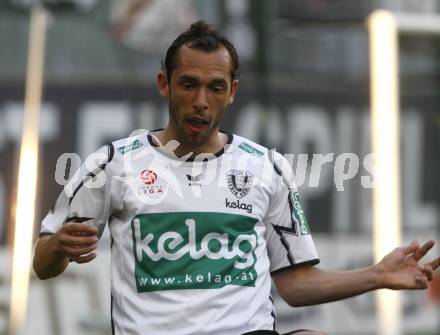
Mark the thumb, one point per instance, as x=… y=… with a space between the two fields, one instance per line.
x=411 y=248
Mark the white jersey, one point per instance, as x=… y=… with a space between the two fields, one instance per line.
x=194 y=242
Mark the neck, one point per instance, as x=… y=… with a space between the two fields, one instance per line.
x=214 y=144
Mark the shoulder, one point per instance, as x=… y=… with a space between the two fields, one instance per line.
x=115 y=152
x=277 y=162
x=130 y=144
x=247 y=147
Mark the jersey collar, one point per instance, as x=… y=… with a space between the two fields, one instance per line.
x=191 y=159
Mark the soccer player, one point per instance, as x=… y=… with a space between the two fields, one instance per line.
x=202 y=221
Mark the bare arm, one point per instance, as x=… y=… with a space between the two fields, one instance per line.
x=71 y=241
x=307 y=285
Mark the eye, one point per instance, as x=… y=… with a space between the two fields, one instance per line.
x=218 y=88
x=187 y=85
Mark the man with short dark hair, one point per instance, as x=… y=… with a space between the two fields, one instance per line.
x=202 y=221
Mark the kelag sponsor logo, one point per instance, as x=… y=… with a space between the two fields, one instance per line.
x=298 y=215
x=188 y=250
x=239 y=205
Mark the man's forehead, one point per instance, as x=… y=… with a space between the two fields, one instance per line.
x=217 y=60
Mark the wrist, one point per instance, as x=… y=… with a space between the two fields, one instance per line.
x=56 y=245
x=378 y=272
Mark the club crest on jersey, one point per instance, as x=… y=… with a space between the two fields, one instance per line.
x=239 y=182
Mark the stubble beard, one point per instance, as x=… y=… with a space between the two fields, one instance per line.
x=185 y=139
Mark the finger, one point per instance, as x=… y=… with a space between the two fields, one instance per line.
x=420 y=252
x=428 y=272
x=435 y=264
x=411 y=248
x=76 y=227
x=84 y=259
x=72 y=240
x=75 y=251
x=421 y=282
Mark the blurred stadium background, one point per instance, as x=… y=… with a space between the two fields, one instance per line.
x=304 y=90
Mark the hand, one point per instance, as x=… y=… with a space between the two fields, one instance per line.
x=77 y=241
x=400 y=269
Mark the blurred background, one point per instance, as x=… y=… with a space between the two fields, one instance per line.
x=304 y=90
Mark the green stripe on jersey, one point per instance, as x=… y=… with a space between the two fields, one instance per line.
x=135 y=145
x=250 y=149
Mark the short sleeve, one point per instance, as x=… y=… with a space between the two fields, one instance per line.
x=289 y=240
x=87 y=196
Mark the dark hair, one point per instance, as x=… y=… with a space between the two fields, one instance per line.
x=201 y=36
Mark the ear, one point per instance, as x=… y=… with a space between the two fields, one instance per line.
x=162 y=84
x=233 y=91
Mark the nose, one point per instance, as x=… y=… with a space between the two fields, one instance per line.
x=200 y=100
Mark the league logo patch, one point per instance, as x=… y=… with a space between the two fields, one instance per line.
x=239 y=182
x=153 y=186
x=148 y=177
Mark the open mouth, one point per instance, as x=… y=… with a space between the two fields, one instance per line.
x=196 y=124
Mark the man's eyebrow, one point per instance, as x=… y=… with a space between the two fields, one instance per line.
x=215 y=81
x=187 y=77
x=218 y=81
